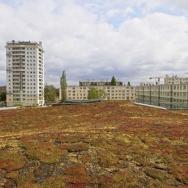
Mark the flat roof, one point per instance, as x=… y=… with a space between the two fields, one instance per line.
x=24 y=43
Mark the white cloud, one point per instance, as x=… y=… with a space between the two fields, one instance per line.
x=81 y=37
x=183 y=4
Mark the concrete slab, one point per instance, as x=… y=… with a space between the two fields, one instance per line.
x=151 y=106
x=8 y=108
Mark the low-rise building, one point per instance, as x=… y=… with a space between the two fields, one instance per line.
x=117 y=92
x=172 y=96
x=111 y=92
x=99 y=83
x=175 y=80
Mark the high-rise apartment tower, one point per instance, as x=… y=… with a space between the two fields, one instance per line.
x=25 y=73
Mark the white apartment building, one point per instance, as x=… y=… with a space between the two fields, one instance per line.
x=25 y=73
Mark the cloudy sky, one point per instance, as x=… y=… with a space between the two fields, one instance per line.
x=95 y=39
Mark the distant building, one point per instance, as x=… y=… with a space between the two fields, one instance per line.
x=119 y=92
x=173 y=94
x=99 y=83
x=111 y=92
x=25 y=73
x=175 y=80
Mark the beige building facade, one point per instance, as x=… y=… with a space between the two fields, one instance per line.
x=111 y=92
x=172 y=96
x=117 y=92
x=175 y=80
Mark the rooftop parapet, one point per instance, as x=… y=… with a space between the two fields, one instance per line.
x=13 y=42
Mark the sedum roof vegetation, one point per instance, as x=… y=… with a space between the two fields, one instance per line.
x=108 y=144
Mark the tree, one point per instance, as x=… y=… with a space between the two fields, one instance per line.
x=3 y=96
x=96 y=93
x=113 y=81
x=50 y=94
x=129 y=84
x=63 y=84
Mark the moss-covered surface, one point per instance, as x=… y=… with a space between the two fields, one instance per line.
x=114 y=144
